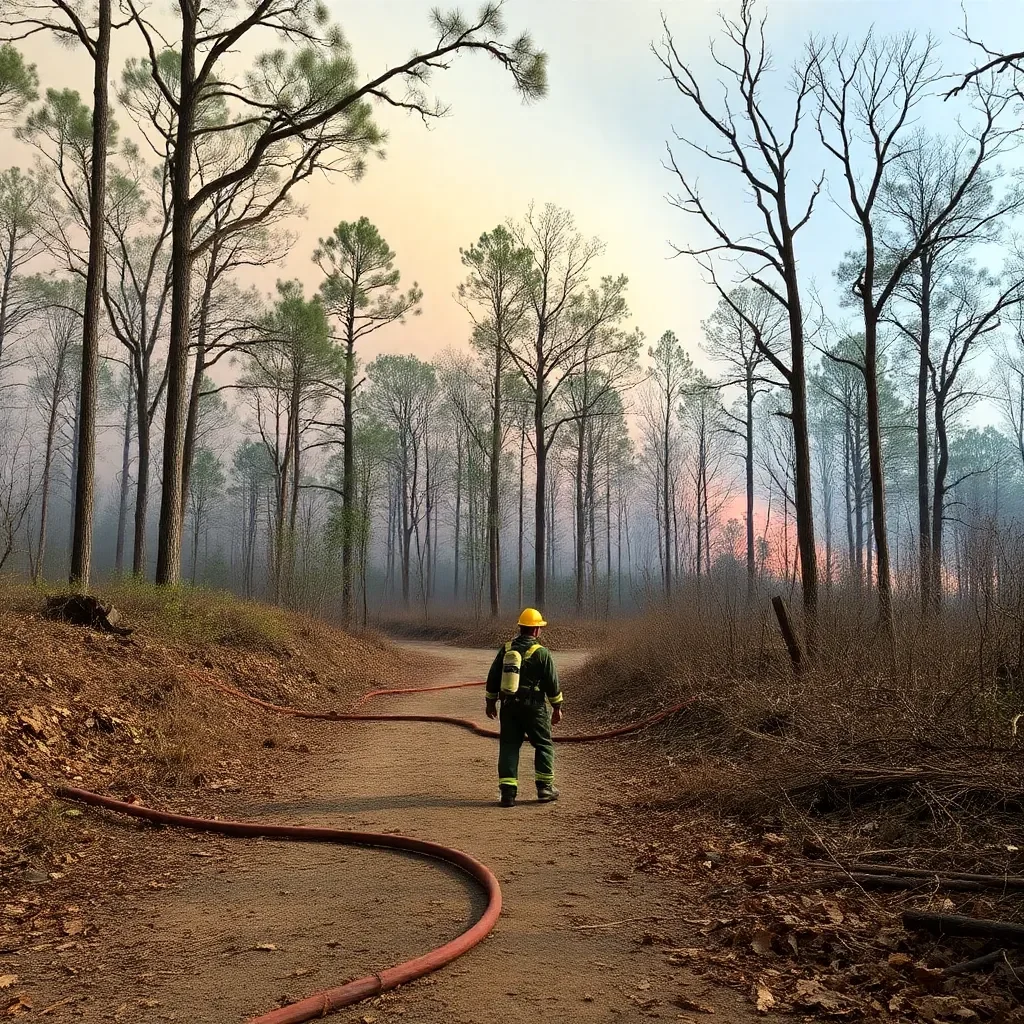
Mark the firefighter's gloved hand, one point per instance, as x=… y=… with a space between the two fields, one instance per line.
x=556 y=714
x=492 y=709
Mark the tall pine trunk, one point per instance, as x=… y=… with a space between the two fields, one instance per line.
x=348 y=463
x=85 y=474
x=522 y=474
x=667 y=568
x=76 y=431
x=198 y=371
x=51 y=434
x=581 y=523
x=407 y=525
x=122 y=502
x=458 y=514
x=5 y=287
x=748 y=466
x=876 y=474
x=493 y=490
x=803 y=476
x=142 y=481
x=168 y=559
x=540 y=503
x=923 y=446
x=939 y=501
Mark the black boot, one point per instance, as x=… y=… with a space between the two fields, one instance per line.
x=508 y=796
x=546 y=792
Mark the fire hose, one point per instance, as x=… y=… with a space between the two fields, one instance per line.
x=322 y=1003
x=461 y=723
x=327 y=1001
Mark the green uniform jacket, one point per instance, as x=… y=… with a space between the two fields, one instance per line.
x=538 y=677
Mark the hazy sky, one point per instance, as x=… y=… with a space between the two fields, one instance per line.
x=594 y=145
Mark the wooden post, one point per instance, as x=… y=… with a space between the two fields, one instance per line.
x=788 y=634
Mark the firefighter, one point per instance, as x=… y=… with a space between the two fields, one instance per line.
x=524 y=679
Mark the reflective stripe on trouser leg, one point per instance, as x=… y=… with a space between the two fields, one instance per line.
x=538 y=729
x=509 y=782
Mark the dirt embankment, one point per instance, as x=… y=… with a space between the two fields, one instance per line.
x=140 y=714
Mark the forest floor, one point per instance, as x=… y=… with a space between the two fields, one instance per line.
x=156 y=925
x=620 y=905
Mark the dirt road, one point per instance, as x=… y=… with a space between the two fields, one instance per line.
x=212 y=930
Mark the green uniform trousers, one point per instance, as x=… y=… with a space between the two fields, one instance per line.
x=525 y=720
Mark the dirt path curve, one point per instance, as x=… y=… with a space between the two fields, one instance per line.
x=224 y=928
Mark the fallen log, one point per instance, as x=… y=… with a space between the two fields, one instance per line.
x=901 y=882
x=1002 y=881
x=957 y=924
x=942 y=878
x=977 y=964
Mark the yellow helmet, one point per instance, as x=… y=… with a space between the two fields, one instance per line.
x=531 y=618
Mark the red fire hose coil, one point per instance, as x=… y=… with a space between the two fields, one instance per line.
x=322 y=1003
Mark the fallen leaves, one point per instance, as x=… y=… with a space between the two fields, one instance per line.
x=762 y=997
x=812 y=995
x=767 y=929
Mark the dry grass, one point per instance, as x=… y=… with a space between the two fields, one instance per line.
x=929 y=726
x=753 y=798
x=462 y=630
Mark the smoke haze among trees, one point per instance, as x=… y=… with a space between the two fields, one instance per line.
x=855 y=427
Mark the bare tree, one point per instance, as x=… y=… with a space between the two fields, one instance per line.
x=18 y=484
x=288 y=380
x=704 y=420
x=592 y=401
x=926 y=174
x=204 y=494
x=869 y=94
x=136 y=289
x=759 y=152
x=977 y=303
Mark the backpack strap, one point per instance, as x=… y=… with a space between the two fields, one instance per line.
x=531 y=650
